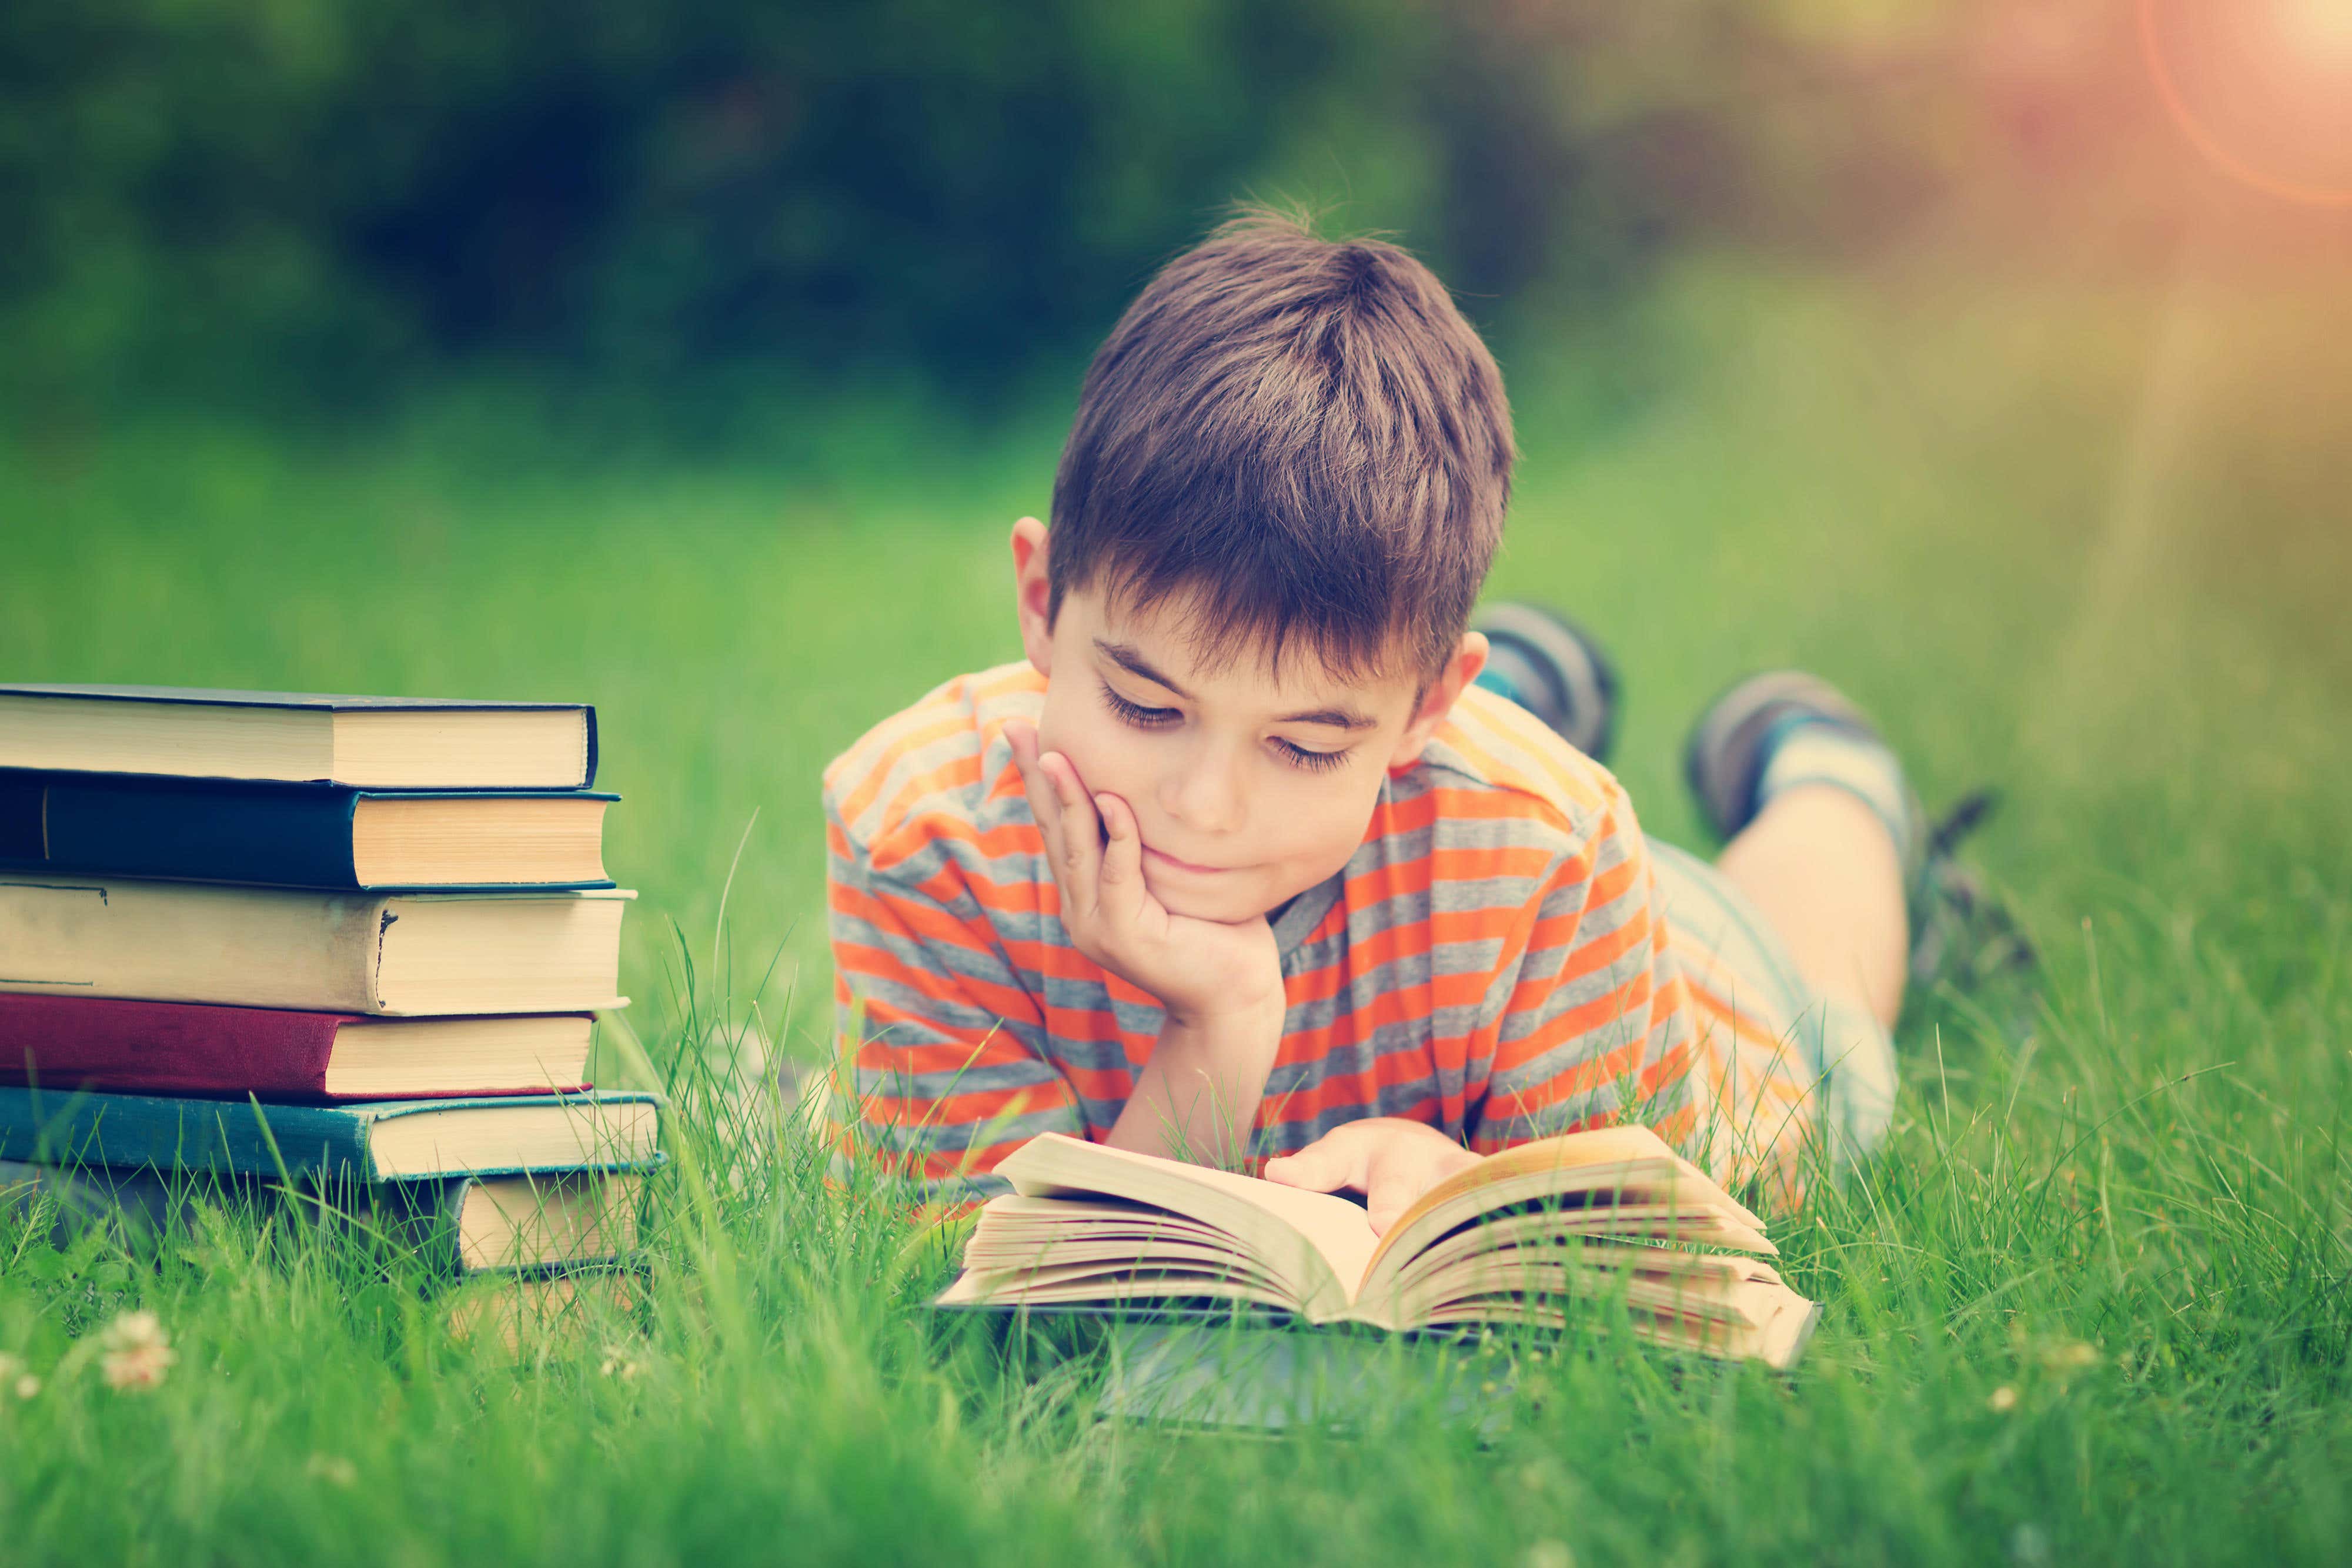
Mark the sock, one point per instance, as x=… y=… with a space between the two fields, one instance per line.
x=1808 y=750
x=1508 y=674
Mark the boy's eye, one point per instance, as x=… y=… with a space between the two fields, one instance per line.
x=1144 y=718
x=1136 y=713
x=1313 y=761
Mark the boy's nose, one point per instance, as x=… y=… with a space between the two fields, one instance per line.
x=1204 y=792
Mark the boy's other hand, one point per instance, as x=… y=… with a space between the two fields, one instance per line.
x=1390 y=1160
x=1199 y=970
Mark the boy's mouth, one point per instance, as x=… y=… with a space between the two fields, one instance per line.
x=1164 y=858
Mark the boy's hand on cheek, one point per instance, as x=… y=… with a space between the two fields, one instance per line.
x=1390 y=1160
x=1199 y=970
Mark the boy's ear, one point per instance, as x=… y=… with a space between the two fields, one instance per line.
x=1032 y=593
x=1438 y=698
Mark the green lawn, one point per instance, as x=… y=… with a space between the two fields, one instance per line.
x=2086 y=543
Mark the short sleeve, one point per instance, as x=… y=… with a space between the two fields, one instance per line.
x=1591 y=1028
x=942 y=1045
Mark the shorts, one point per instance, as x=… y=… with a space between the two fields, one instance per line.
x=1823 y=1066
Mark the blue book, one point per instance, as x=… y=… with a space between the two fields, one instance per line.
x=381 y=1140
x=301 y=835
x=370 y=743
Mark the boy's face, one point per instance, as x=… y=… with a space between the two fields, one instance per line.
x=1249 y=786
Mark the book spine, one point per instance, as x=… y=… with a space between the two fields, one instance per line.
x=189 y=942
x=290 y=837
x=163 y=1048
x=152 y=1133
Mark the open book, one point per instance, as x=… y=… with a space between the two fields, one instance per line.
x=1613 y=1212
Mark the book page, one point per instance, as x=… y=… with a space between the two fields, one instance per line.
x=1319 y=1242
x=1630 y=1164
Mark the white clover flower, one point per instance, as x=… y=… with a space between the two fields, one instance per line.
x=333 y=1468
x=138 y=1353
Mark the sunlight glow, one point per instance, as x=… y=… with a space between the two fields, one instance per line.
x=2290 y=60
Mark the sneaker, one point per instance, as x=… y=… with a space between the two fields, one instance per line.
x=1552 y=667
x=1960 y=931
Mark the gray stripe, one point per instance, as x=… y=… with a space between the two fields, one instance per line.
x=940 y=1083
x=1661 y=1036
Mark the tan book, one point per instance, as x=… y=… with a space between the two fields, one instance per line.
x=513 y=1313
x=1611 y=1213
x=526 y=1222
x=402 y=954
x=383 y=743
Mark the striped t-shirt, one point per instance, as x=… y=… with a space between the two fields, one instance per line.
x=1492 y=961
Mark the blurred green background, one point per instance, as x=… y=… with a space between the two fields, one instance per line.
x=691 y=360
x=323 y=204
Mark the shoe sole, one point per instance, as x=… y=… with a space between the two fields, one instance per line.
x=1563 y=649
x=1723 y=759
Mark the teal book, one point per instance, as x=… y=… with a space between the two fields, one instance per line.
x=380 y=1141
x=322 y=836
x=546 y=1222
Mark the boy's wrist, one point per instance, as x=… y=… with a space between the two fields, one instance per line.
x=1225 y=1016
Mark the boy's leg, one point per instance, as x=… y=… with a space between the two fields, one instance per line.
x=1827 y=845
x=1819 y=865
x=1825 y=835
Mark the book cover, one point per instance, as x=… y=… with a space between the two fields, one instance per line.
x=406 y=955
x=284 y=835
x=151 y=1131
x=66 y=1043
x=538 y=1224
x=385 y=742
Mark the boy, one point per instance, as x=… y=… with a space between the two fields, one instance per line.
x=1244 y=864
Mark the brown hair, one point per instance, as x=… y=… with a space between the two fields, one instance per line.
x=1302 y=435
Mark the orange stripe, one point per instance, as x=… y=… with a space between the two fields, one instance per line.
x=924 y=727
x=1004 y=1001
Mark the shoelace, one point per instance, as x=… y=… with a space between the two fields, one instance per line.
x=1966 y=935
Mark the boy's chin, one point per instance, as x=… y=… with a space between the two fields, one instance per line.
x=1190 y=901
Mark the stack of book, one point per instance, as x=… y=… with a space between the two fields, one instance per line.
x=354 y=943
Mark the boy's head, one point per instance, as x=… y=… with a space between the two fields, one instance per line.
x=1283 y=489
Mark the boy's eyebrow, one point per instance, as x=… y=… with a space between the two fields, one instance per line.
x=1135 y=663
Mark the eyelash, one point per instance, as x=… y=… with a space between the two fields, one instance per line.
x=1144 y=718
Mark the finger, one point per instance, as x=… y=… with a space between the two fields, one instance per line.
x=1081 y=850
x=1044 y=802
x=1331 y=1162
x=1122 y=861
x=1400 y=1178
x=1390 y=1192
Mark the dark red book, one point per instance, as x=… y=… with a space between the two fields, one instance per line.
x=67 y=1043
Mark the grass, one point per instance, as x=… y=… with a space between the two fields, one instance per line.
x=2084 y=542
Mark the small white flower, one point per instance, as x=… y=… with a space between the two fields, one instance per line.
x=28 y=1386
x=333 y=1468
x=2003 y=1400
x=138 y=1353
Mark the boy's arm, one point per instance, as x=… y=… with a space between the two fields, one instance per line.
x=943 y=1072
